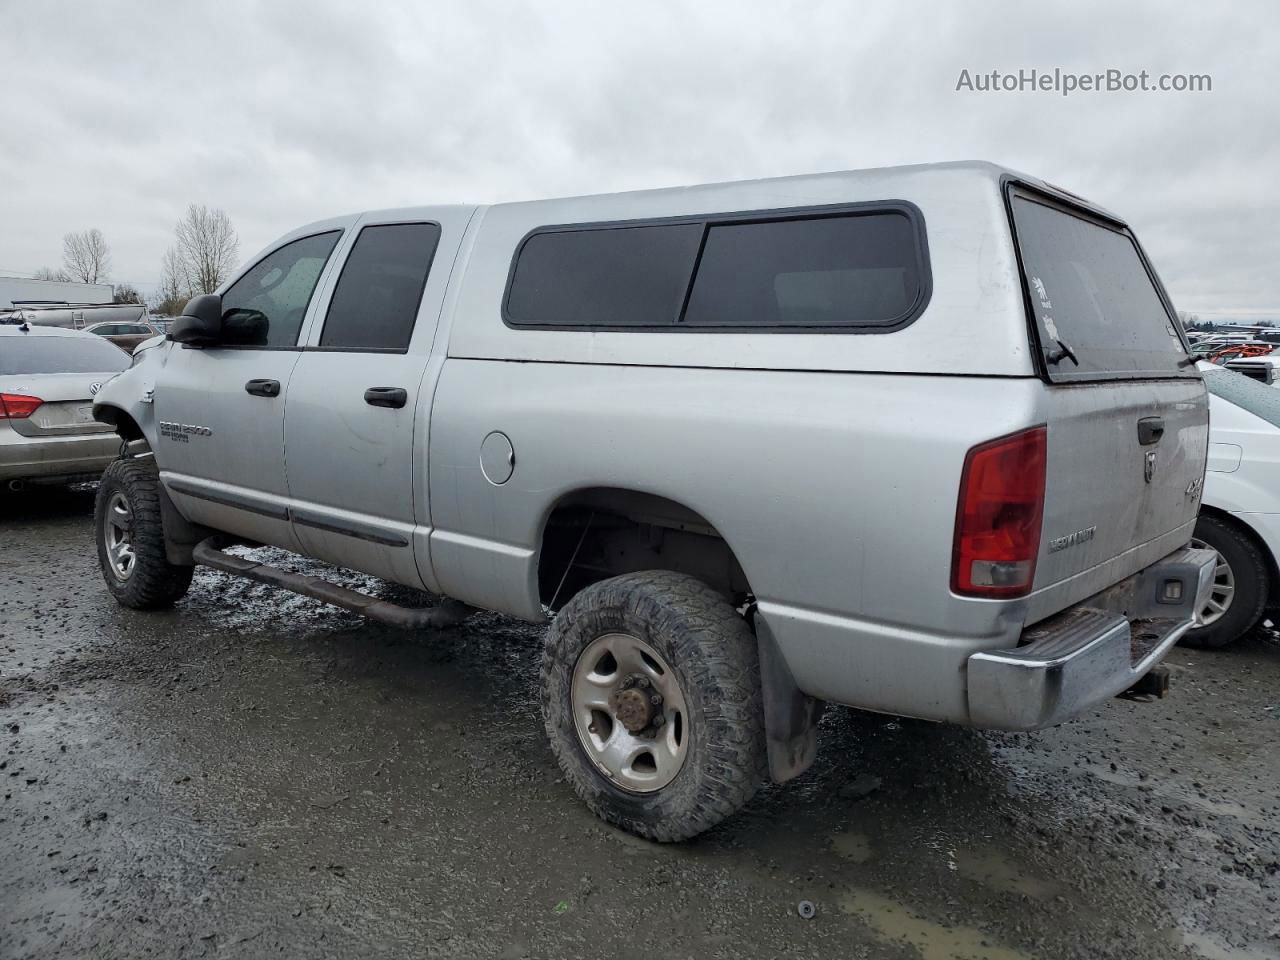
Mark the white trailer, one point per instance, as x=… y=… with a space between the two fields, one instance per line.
x=14 y=291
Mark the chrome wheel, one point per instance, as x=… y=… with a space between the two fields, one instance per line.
x=630 y=713
x=1224 y=588
x=117 y=532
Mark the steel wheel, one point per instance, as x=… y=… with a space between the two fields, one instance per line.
x=1224 y=588
x=117 y=533
x=630 y=713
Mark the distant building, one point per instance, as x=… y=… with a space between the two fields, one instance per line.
x=19 y=289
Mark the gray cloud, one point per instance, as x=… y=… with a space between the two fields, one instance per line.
x=119 y=115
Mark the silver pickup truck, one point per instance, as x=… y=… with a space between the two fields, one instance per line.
x=925 y=441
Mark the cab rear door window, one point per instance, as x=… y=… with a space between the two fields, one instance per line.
x=376 y=300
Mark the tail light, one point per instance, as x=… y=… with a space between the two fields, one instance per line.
x=999 y=515
x=15 y=406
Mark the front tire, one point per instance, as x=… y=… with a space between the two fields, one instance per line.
x=130 y=538
x=1240 y=585
x=651 y=700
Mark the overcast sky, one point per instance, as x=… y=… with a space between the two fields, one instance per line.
x=117 y=115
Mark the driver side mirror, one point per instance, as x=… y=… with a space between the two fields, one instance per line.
x=201 y=322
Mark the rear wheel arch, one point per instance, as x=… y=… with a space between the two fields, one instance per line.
x=600 y=535
x=593 y=533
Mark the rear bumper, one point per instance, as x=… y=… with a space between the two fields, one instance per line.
x=1091 y=651
x=28 y=458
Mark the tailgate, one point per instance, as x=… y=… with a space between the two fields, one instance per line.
x=1125 y=466
x=1125 y=407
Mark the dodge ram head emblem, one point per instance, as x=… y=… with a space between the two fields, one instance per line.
x=94 y=388
x=1149 y=466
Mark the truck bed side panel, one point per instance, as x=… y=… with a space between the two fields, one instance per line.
x=836 y=492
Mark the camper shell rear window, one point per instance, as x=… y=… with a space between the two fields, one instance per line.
x=861 y=268
x=1094 y=304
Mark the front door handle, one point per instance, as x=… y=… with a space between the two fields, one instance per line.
x=263 y=388
x=395 y=397
x=1150 y=430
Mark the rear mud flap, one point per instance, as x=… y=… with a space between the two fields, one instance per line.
x=790 y=716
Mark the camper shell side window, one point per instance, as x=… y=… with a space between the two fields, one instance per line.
x=860 y=268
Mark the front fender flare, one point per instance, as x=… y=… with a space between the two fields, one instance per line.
x=127 y=398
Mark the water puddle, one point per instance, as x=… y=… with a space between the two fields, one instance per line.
x=1218 y=808
x=892 y=921
x=994 y=870
x=854 y=847
x=1208 y=947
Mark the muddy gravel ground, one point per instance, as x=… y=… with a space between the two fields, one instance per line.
x=254 y=774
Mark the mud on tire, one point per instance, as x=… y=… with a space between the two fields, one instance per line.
x=713 y=653
x=152 y=582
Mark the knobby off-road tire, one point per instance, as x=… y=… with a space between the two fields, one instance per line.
x=131 y=539
x=1249 y=580
x=712 y=655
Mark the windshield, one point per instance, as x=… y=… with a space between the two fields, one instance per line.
x=36 y=354
x=1097 y=310
x=1246 y=393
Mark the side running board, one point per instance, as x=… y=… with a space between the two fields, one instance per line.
x=446 y=613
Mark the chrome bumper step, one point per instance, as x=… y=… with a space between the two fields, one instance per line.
x=1090 y=652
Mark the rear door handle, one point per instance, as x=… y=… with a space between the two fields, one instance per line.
x=263 y=388
x=394 y=397
x=1150 y=430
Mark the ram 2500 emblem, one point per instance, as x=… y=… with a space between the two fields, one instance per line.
x=183 y=432
x=1149 y=466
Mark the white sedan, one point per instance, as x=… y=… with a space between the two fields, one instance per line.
x=1240 y=511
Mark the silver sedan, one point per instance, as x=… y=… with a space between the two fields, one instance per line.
x=48 y=377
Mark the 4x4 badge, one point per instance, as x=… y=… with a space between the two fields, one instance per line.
x=1149 y=466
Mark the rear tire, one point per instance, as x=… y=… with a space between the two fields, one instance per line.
x=1240 y=586
x=684 y=645
x=130 y=538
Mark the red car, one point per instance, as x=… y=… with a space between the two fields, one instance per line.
x=126 y=336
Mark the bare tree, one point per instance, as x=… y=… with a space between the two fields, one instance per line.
x=49 y=273
x=126 y=293
x=205 y=248
x=201 y=258
x=174 y=291
x=86 y=257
